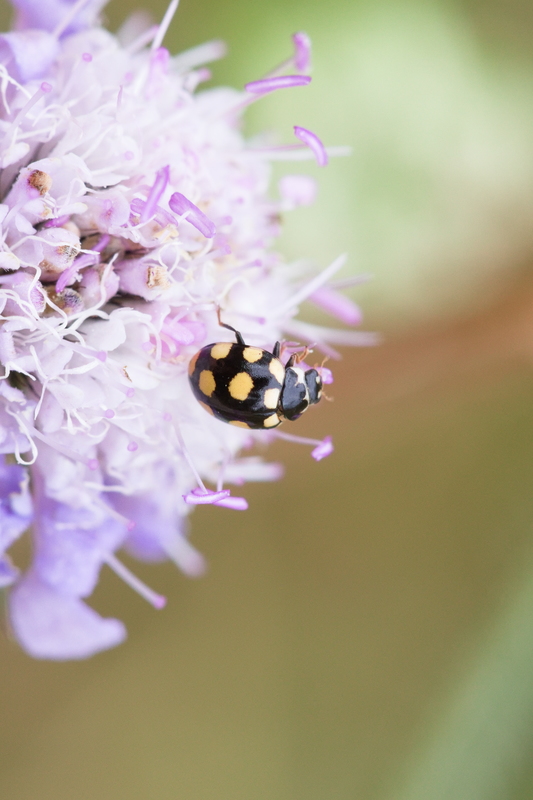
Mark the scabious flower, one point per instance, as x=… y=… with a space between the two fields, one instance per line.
x=132 y=209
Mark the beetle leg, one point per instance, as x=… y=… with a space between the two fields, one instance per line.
x=301 y=355
x=238 y=335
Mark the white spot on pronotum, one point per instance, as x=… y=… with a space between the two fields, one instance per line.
x=271 y=398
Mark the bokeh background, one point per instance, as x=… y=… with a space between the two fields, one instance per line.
x=366 y=629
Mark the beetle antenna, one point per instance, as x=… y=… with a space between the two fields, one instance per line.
x=238 y=335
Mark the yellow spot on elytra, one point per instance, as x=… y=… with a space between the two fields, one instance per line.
x=277 y=369
x=240 y=386
x=271 y=398
x=192 y=363
x=238 y=423
x=221 y=349
x=272 y=421
x=207 y=382
x=206 y=407
x=252 y=354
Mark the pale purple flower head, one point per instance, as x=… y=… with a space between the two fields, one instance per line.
x=132 y=210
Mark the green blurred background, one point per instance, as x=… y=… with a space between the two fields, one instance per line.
x=366 y=629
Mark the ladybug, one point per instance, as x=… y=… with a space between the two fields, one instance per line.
x=249 y=387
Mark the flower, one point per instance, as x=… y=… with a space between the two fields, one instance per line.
x=132 y=210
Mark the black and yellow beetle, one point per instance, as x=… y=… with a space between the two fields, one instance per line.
x=250 y=387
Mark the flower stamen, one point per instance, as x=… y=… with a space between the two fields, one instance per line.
x=156 y=600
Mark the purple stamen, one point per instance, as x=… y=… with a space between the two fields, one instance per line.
x=109 y=413
x=87 y=57
x=44 y=88
x=235 y=503
x=133 y=446
x=57 y=222
x=266 y=85
x=324 y=449
x=66 y=277
x=302 y=51
x=199 y=498
x=321 y=448
x=165 y=23
x=135 y=583
x=181 y=205
x=314 y=143
x=102 y=243
x=85 y=260
x=160 y=184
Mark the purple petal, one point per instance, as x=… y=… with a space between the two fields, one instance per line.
x=338 y=305
x=28 y=54
x=325 y=448
x=49 y=14
x=49 y=624
x=156 y=530
x=180 y=205
x=199 y=498
x=266 y=85
x=302 y=51
x=8 y=573
x=71 y=545
x=314 y=143
x=15 y=503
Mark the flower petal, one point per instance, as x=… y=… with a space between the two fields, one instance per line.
x=15 y=503
x=8 y=573
x=72 y=544
x=28 y=54
x=49 y=624
x=48 y=14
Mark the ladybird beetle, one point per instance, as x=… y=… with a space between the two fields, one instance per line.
x=250 y=387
